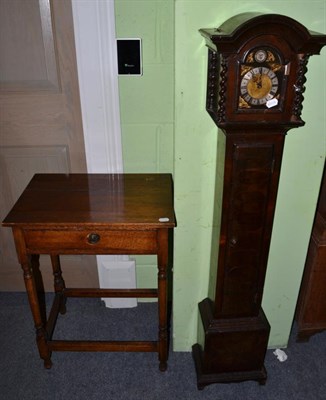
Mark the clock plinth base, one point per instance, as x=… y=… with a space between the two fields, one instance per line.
x=232 y=350
x=208 y=378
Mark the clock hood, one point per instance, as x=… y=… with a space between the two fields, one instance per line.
x=229 y=36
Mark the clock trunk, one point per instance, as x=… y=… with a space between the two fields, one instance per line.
x=247 y=55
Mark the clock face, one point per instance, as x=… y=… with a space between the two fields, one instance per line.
x=259 y=86
x=260 y=79
x=260 y=55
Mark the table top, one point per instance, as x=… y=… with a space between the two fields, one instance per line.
x=111 y=200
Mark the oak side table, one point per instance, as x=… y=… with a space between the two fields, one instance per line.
x=93 y=214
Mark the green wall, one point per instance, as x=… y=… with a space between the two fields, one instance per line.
x=147 y=102
x=170 y=99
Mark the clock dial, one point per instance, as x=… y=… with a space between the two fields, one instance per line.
x=258 y=86
x=260 y=56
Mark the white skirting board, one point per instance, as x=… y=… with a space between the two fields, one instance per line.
x=117 y=272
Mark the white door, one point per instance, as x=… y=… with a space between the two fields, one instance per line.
x=41 y=124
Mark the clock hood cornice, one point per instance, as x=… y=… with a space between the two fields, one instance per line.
x=233 y=33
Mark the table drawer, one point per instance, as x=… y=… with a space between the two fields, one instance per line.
x=91 y=241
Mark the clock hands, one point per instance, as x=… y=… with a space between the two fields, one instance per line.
x=258 y=86
x=259 y=79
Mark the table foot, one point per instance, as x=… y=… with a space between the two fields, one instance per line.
x=163 y=366
x=48 y=363
x=63 y=310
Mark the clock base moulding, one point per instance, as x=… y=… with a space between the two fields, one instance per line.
x=232 y=349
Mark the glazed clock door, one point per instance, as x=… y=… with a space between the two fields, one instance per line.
x=261 y=79
x=259 y=86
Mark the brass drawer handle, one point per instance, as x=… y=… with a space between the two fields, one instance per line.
x=93 y=238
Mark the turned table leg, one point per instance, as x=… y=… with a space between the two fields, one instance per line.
x=41 y=334
x=59 y=283
x=39 y=285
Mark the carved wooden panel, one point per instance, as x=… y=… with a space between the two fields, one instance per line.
x=28 y=60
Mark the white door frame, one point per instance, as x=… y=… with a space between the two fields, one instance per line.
x=94 y=28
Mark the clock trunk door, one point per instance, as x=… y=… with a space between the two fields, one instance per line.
x=251 y=179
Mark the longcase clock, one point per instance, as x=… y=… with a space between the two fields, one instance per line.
x=256 y=76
